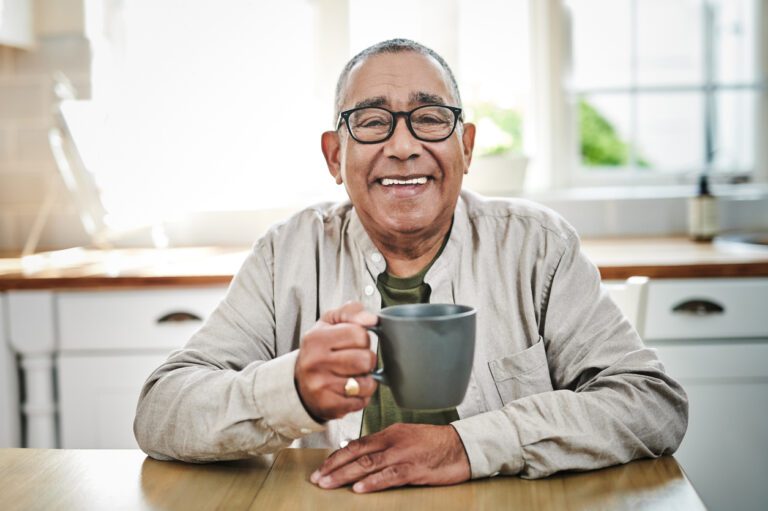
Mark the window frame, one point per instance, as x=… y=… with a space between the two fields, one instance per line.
x=554 y=137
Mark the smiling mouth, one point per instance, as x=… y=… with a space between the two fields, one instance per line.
x=387 y=181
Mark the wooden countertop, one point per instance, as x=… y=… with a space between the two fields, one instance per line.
x=618 y=258
x=127 y=479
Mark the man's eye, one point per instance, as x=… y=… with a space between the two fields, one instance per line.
x=430 y=119
x=372 y=123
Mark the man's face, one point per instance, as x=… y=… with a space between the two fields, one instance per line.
x=400 y=82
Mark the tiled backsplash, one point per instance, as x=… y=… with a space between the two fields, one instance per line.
x=27 y=168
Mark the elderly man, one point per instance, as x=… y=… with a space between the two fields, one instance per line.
x=560 y=380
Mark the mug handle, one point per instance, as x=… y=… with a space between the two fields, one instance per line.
x=378 y=374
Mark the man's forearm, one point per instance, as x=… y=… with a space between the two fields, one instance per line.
x=614 y=418
x=193 y=410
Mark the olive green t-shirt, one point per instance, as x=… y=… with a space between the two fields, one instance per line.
x=382 y=411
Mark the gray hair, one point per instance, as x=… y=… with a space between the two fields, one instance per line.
x=392 y=46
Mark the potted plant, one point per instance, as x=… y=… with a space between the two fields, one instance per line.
x=498 y=166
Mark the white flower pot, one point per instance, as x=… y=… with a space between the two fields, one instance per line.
x=496 y=175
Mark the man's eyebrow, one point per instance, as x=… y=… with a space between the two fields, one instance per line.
x=375 y=101
x=414 y=98
x=426 y=98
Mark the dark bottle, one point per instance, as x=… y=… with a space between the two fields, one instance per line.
x=702 y=213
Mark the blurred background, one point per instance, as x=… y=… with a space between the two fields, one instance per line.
x=194 y=125
x=197 y=122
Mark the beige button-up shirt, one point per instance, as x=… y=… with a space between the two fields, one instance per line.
x=560 y=378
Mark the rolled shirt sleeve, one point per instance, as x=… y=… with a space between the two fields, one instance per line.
x=227 y=394
x=612 y=401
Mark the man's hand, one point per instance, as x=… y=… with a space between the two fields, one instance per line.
x=401 y=454
x=335 y=349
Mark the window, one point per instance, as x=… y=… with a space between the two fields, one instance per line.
x=218 y=106
x=664 y=89
x=209 y=106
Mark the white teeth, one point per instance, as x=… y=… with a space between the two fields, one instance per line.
x=415 y=181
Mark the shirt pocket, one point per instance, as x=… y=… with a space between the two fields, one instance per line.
x=521 y=374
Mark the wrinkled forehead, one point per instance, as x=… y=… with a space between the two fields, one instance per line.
x=397 y=81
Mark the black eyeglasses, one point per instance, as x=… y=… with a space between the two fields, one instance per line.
x=372 y=124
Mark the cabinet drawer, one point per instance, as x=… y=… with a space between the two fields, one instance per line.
x=707 y=309
x=159 y=319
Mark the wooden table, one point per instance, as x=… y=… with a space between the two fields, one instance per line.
x=33 y=479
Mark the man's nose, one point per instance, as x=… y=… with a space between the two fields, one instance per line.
x=402 y=144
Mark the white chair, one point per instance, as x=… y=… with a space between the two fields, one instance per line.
x=631 y=296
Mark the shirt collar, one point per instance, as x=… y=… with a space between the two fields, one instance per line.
x=442 y=267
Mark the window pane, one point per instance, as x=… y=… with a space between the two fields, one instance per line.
x=207 y=106
x=601 y=43
x=736 y=124
x=604 y=127
x=669 y=42
x=736 y=40
x=670 y=130
x=494 y=71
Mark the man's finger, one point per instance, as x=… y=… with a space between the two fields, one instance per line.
x=356 y=470
x=352 y=362
x=350 y=312
x=353 y=450
x=366 y=384
x=346 y=336
x=390 y=477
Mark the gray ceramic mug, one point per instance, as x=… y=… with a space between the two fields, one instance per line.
x=427 y=352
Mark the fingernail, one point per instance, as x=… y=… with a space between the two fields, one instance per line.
x=315 y=476
x=325 y=482
x=358 y=487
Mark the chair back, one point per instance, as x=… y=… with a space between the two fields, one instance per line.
x=631 y=296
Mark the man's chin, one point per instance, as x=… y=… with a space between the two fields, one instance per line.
x=408 y=225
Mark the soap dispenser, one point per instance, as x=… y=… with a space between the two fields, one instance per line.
x=702 y=212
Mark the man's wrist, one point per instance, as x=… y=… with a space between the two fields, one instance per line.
x=491 y=443
x=306 y=408
x=278 y=400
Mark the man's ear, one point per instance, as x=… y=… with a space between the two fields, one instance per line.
x=468 y=140
x=331 y=146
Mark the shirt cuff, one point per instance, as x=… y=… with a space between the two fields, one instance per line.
x=492 y=444
x=279 y=401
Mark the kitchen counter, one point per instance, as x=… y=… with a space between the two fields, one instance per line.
x=617 y=258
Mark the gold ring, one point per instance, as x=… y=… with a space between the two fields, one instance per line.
x=351 y=388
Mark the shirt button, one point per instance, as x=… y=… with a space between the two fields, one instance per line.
x=376 y=257
x=305 y=431
x=368 y=290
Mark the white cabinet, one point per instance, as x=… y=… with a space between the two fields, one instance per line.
x=109 y=343
x=716 y=345
x=10 y=415
x=98 y=396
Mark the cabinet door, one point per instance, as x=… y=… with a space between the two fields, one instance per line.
x=9 y=398
x=725 y=451
x=98 y=397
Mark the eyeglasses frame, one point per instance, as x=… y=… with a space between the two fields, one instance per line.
x=344 y=116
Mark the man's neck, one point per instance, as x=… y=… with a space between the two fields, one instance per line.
x=406 y=256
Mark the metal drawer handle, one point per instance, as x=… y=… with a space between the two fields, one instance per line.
x=179 y=317
x=698 y=307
